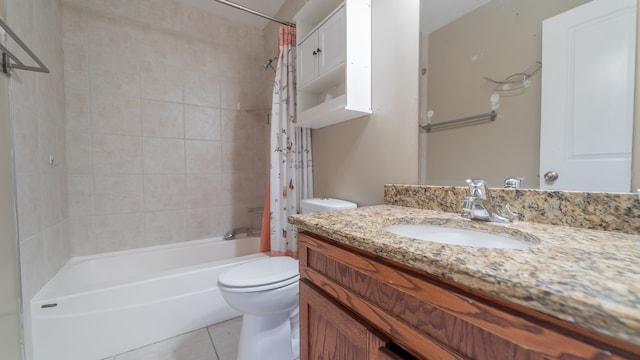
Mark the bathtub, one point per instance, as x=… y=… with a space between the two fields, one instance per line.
x=102 y=305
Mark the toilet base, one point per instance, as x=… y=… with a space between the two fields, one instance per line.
x=265 y=337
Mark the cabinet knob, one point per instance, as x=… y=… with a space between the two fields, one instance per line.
x=318 y=51
x=551 y=176
x=314 y=52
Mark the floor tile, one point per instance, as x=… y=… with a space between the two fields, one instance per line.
x=225 y=337
x=195 y=345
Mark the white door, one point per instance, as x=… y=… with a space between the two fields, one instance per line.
x=588 y=65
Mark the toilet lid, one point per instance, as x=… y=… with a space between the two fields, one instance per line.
x=264 y=273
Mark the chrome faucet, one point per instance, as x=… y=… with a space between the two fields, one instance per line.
x=514 y=182
x=479 y=205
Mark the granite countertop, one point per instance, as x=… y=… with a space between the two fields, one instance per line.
x=587 y=277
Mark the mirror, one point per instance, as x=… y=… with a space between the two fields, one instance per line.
x=493 y=40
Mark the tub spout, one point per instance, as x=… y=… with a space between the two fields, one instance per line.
x=231 y=234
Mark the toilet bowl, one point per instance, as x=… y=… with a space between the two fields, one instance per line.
x=266 y=292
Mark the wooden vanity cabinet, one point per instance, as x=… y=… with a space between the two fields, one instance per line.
x=354 y=305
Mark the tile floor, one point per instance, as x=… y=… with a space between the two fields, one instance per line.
x=216 y=342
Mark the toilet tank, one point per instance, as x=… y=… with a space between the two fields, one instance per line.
x=325 y=204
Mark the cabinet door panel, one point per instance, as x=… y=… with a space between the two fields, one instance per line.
x=307 y=60
x=328 y=332
x=331 y=42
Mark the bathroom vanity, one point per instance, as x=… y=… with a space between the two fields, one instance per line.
x=367 y=293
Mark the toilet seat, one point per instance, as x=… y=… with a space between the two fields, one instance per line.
x=260 y=275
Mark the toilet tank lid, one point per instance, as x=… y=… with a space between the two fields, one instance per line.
x=260 y=272
x=325 y=204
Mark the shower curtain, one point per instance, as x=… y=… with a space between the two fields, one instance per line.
x=291 y=166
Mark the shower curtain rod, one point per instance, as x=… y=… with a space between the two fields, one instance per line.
x=251 y=11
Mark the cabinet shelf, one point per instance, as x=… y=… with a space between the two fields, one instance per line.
x=329 y=112
x=334 y=62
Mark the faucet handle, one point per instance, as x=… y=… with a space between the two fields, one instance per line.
x=514 y=182
x=509 y=214
x=479 y=188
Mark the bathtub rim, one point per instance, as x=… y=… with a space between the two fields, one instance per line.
x=46 y=294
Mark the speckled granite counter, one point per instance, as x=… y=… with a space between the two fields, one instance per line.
x=588 y=277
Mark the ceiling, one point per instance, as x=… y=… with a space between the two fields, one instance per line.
x=434 y=13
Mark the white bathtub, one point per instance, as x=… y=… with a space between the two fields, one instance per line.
x=102 y=305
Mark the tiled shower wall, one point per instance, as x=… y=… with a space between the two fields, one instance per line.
x=37 y=108
x=167 y=135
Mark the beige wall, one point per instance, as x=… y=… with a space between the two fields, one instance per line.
x=166 y=123
x=353 y=160
x=10 y=332
x=498 y=39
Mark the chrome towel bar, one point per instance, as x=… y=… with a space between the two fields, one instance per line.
x=7 y=55
x=459 y=122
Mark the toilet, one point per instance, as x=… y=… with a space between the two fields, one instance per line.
x=266 y=292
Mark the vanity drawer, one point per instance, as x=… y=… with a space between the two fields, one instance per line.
x=436 y=320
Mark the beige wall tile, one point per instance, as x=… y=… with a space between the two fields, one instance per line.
x=25 y=140
x=79 y=153
x=29 y=199
x=56 y=248
x=118 y=232
x=201 y=89
x=204 y=190
x=74 y=22
x=237 y=157
x=51 y=204
x=204 y=156
x=201 y=25
x=236 y=126
x=76 y=66
x=164 y=192
x=163 y=156
x=115 y=114
x=233 y=217
x=202 y=122
x=161 y=82
x=23 y=91
x=117 y=154
x=159 y=44
x=113 y=75
x=77 y=111
x=162 y=119
x=122 y=8
x=162 y=14
x=165 y=227
x=203 y=224
x=118 y=194
x=80 y=195
x=239 y=189
x=200 y=55
x=81 y=236
x=33 y=273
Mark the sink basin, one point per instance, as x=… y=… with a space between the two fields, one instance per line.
x=456 y=236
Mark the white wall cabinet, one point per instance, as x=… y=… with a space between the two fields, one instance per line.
x=323 y=51
x=334 y=62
